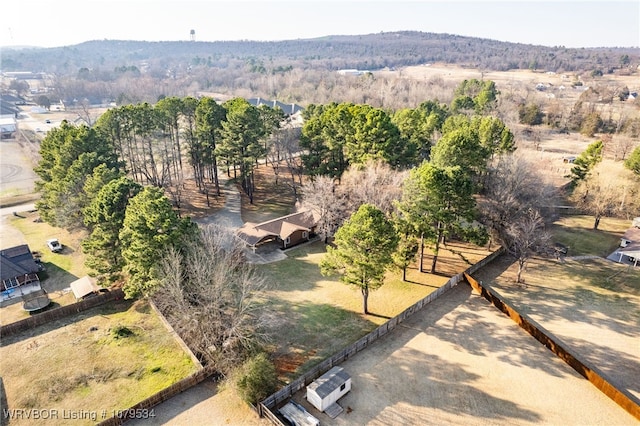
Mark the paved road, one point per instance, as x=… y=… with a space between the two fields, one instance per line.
x=5 y=211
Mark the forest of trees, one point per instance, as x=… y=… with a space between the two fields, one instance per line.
x=366 y=52
x=386 y=184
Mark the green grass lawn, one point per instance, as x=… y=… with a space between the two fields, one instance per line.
x=36 y=233
x=82 y=362
x=578 y=234
x=316 y=316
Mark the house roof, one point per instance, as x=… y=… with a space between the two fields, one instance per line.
x=632 y=249
x=16 y=261
x=7 y=108
x=632 y=234
x=282 y=227
x=329 y=381
x=288 y=109
x=83 y=286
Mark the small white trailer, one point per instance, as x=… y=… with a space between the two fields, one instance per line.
x=328 y=388
x=297 y=415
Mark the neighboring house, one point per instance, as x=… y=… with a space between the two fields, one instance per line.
x=288 y=109
x=288 y=230
x=630 y=246
x=8 y=109
x=8 y=127
x=13 y=100
x=18 y=268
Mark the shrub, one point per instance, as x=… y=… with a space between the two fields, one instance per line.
x=530 y=114
x=121 y=331
x=256 y=379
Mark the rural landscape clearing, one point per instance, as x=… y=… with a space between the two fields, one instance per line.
x=198 y=232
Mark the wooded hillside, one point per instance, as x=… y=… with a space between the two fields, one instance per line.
x=366 y=52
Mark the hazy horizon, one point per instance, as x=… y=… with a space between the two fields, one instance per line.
x=572 y=24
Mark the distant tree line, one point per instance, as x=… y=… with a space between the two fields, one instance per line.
x=367 y=52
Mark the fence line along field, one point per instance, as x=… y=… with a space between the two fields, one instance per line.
x=460 y=361
x=107 y=358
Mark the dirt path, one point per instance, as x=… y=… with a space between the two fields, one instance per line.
x=203 y=404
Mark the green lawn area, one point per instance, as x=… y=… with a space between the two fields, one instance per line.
x=36 y=233
x=578 y=234
x=316 y=316
x=82 y=362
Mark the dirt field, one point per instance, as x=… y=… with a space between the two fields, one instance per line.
x=592 y=305
x=460 y=361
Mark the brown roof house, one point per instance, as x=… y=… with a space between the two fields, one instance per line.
x=18 y=271
x=287 y=231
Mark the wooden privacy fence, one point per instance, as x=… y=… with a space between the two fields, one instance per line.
x=143 y=408
x=622 y=397
x=266 y=407
x=59 y=313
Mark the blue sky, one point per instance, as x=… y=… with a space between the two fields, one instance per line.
x=549 y=23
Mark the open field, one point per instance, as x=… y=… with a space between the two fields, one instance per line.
x=460 y=361
x=592 y=305
x=559 y=85
x=107 y=358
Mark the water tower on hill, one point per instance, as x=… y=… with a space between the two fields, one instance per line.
x=192 y=33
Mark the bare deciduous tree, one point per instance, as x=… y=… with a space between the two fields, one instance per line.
x=376 y=183
x=622 y=145
x=525 y=237
x=608 y=191
x=327 y=203
x=208 y=293
x=513 y=186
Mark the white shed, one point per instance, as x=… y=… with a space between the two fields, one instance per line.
x=328 y=388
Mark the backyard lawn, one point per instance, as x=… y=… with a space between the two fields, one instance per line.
x=314 y=316
x=61 y=269
x=577 y=233
x=106 y=358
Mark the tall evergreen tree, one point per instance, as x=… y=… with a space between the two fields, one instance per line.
x=149 y=227
x=438 y=202
x=242 y=134
x=104 y=217
x=586 y=161
x=202 y=150
x=363 y=248
x=69 y=154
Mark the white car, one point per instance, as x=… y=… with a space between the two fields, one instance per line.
x=54 y=245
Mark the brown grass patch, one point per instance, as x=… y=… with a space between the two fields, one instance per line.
x=270 y=200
